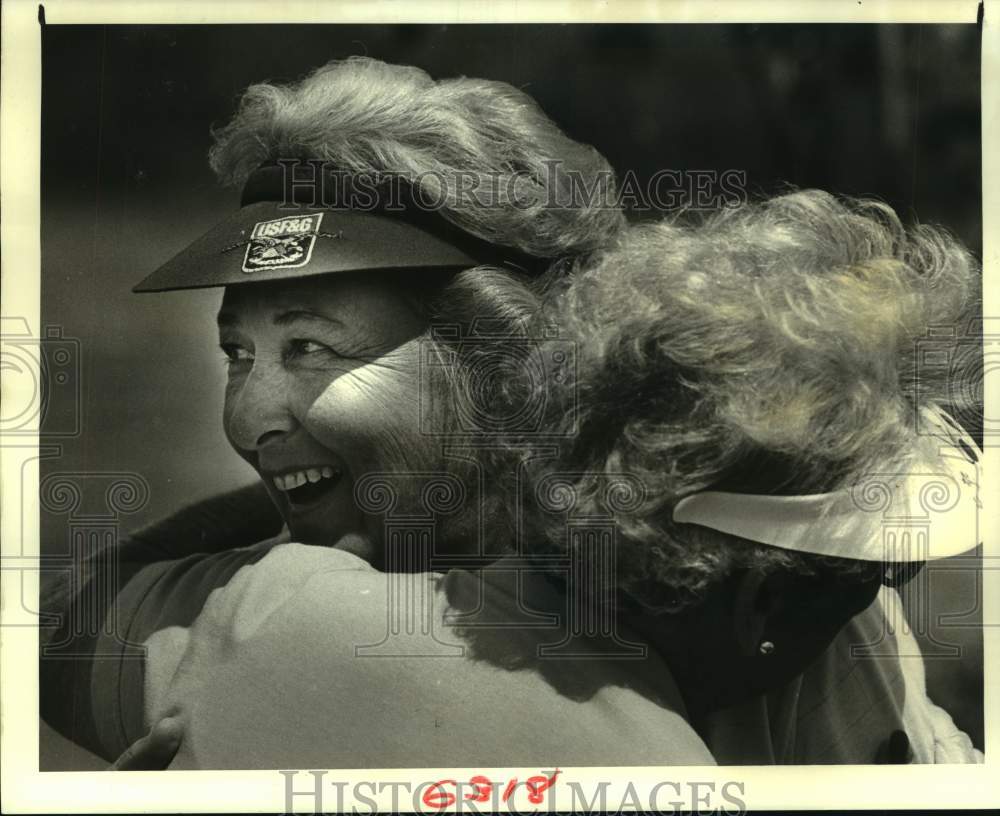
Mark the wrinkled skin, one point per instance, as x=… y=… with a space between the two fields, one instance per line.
x=324 y=375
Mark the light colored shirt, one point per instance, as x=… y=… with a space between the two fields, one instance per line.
x=289 y=665
x=303 y=657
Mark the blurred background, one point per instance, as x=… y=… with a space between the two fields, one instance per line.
x=888 y=111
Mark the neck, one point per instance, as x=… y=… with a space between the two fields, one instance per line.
x=713 y=647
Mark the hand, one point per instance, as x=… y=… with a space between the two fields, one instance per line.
x=895 y=750
x=155 y=751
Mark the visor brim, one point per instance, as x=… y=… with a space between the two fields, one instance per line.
x=336 y=241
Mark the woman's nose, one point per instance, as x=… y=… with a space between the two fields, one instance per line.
x=257 y=409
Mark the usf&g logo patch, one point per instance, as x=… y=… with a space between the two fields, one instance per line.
x=282 y=243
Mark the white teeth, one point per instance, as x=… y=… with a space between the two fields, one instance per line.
x=290 y=481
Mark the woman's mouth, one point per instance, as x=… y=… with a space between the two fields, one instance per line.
x=307 y=486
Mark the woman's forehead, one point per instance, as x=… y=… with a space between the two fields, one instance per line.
x=343 y=298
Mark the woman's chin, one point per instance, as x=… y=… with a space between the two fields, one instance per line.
x=358 y=545
x=354 y=543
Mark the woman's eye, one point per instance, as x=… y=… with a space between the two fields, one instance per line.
x=235 y=354
x=304 y=348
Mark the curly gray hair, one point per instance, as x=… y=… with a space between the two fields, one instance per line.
x=768 y=349
x=502 y=169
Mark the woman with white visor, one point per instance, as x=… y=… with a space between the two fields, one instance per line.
x=751 y=385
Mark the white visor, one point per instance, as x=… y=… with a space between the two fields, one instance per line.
x=929 y=511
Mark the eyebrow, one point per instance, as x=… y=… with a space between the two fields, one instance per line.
x=226 y=318
x=295 y=315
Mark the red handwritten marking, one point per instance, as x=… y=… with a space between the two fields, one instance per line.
x=483 y=788
x=537 y=785
x=437 y=796
x=510 y=789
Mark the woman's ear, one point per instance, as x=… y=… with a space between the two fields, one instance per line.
x=757 y=598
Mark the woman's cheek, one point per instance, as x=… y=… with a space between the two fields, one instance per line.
x=372 y=420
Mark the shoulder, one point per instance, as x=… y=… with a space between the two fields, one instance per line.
x=286 y=593
x=339 y=665
x=193 y=613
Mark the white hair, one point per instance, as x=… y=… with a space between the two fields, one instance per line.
x=771 y=348
x=366 y=116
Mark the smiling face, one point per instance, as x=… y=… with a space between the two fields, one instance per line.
x=323 y=388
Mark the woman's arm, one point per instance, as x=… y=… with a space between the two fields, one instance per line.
x=238 y=518
x=234 y=519
x=85 y=601
x=931 y=731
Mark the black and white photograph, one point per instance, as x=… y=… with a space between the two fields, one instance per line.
x=426 y=400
